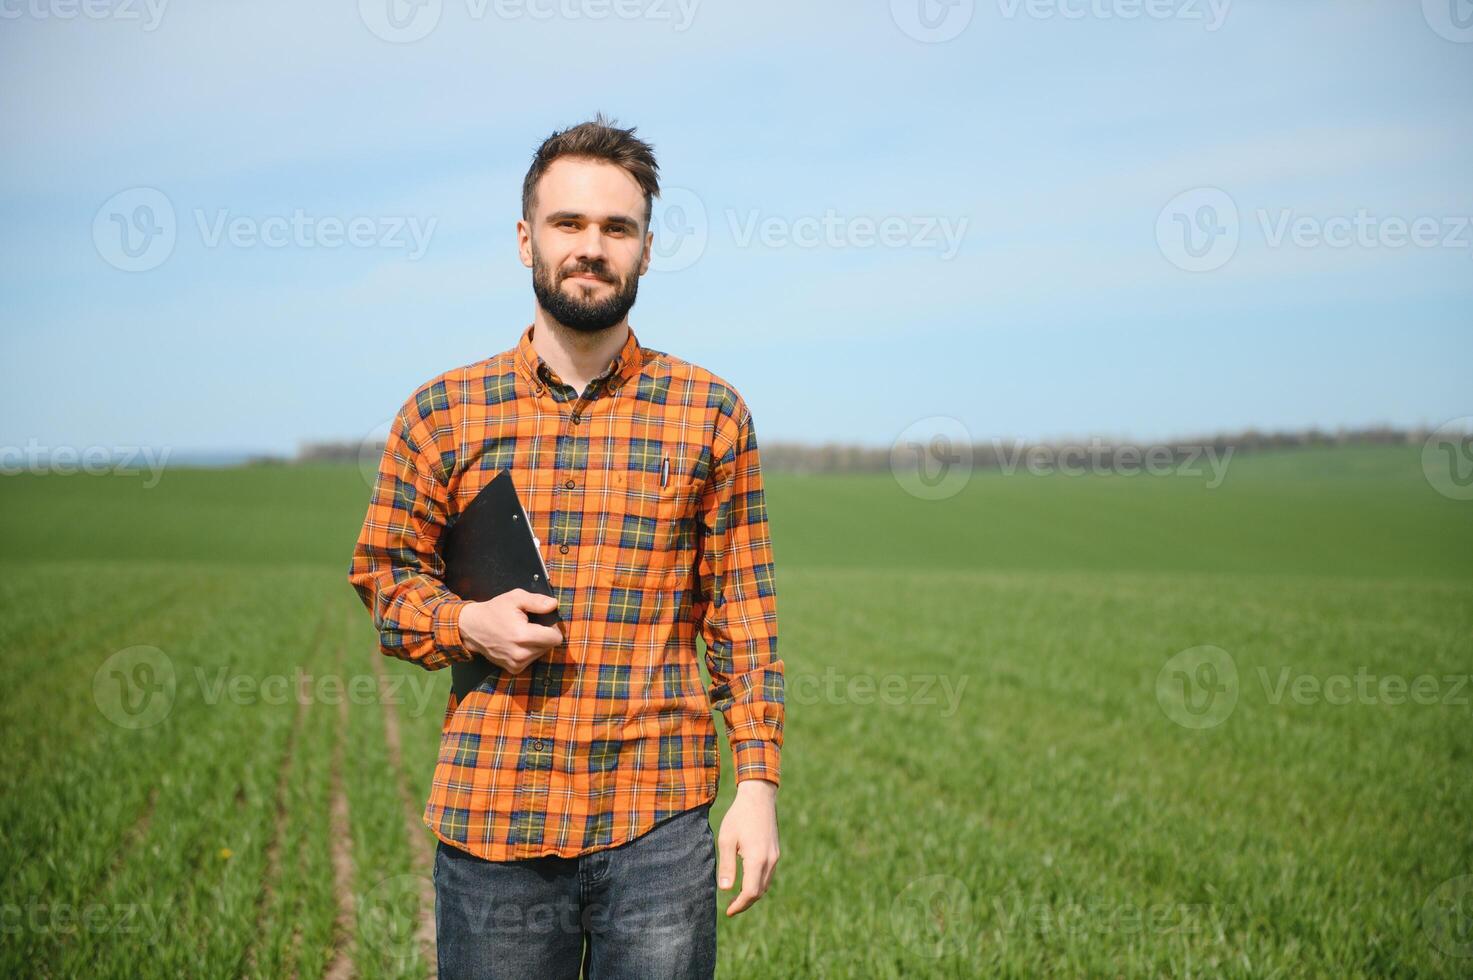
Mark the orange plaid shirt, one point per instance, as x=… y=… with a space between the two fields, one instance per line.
x=646 y=493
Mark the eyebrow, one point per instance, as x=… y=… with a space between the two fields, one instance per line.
x=622 y=218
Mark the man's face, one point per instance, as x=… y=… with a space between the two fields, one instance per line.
x=586 y=243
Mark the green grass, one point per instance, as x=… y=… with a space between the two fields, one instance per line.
x=979 y=778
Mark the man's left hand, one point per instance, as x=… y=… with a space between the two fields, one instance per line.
x=749 y=829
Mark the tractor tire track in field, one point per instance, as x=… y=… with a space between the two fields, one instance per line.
x=340 y=963
x=272 y=876
x=131 y=839
x=423 y=854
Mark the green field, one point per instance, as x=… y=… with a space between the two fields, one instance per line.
x=981 y=776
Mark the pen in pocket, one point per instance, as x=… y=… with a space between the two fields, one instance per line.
x=664 y=471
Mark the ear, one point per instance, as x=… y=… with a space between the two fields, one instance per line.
x=524 y=242
x=649 y=251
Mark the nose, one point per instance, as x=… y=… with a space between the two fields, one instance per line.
x=588 y=250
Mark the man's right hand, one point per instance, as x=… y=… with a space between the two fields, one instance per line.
x=498 y=629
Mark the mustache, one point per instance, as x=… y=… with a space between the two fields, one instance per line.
x=602 y=274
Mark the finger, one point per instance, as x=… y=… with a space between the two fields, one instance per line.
x=540 y=638
x=752 y=873
x=535 y=601
x=726 y=863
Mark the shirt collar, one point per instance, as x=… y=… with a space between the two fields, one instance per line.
x=624 y=367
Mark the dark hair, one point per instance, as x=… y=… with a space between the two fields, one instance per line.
x=596 y=140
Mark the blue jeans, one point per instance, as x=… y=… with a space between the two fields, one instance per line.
x=645 y=909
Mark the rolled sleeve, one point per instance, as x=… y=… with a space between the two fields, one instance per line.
x=737 y=603
x=396 y=568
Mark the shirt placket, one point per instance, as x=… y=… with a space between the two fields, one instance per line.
x=534 y=789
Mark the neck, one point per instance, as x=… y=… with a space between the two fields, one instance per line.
x=577 y=357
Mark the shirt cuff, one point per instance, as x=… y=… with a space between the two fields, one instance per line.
x=756 y=758
x=448 y=640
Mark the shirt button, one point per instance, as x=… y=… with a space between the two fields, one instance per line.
x=563 y=548
x=536 y=745
x=575 y=418
x=569 y=484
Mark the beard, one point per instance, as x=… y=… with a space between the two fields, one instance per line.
x=575 y=309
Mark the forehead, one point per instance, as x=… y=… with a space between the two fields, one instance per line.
x=595 y=188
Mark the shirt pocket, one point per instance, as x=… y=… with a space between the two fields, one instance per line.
x=646 y=522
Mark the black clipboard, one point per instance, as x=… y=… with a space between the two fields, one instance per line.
x=489 y=550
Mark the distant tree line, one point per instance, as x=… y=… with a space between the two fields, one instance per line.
x=833 y=457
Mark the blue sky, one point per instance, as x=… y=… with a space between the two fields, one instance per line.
x=1051 y=178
